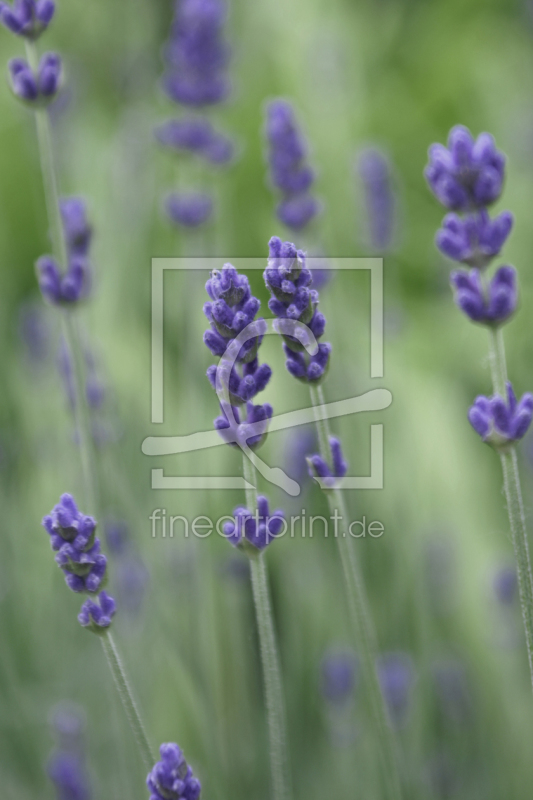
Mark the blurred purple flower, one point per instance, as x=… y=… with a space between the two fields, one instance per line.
x=396 y=676
x=76 y=226
x=68 y=773
x=39 y=88
x=505 y=585
x=196 y=135
x=338 y=675
x=375 y=171
x=189 y=209
x=28 y=18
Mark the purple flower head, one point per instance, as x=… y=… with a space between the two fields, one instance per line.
x=257 y=529
x=396 y=677
x=237 y=432
x=319 y=468
x=290 y=172
x=491 y=306
x=97 y=615
x=76 y=226
x=505 y=585
x=375 y=171
x=63 y=288
x=242 y=387
x=28 y=18
x=501 y=422
x=36 y=89
x=196 y=135
x=474 y=240
x=189 y=209
x=197 y=54
x=338 y=674
x=468 y=174
x=172 y=778
x=67 y=772
x=297 y=211
x=72 y=537
x=289 y=281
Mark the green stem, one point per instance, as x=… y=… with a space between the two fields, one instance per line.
x=126 y=696
x=513 y=496
x=277 y=730
x=362 y=625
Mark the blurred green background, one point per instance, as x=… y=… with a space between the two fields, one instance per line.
x=395 y=74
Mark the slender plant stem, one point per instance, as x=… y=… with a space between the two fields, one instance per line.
x=513 y=495
x=362 y=625
x=277 y=729
x=126 y=695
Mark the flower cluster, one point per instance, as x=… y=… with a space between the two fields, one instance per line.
x=97 y=615
x=196 y=57
x=289 y=281
x=36 y=88
x=258 y=529
x=73 y=538
x=490 y=305
x=198 y=136
x=375 y=171
x=319 y=468
x=172 y=778
x=27 y=18
x=72 y=285
x=476 y=239
x=501 y=421
x=290 y=172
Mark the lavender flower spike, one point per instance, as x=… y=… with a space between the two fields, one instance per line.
x=468 y=174
x=289 y=281
x=66 y=770
x=172 y=778
x=492 y=306
x=65 y=288
x=197 y=55
x=500 y=422
x=319 y=468
x=97 y=616
x=28 y=18
x=72 y=536
x=37 y=89
x=474 y=240
x=257 y=530
x=290 y=172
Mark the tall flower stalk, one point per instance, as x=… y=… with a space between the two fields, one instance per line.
x=293 y=298
x=232 y=312
x=467 y=177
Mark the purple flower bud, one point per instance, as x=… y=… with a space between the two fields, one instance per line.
x=23 y=80
x=28 y=18
x=97 y=615
x=396 y=677
x=197 y=55
x=196 y=135
x=375 y=172
x=189 y=209
x=59 y=289
x=319 y=468
x=67 y=772
x=76 y=227
x=476 y=239
x=49 y=77
x=469 y=173
x=257 y=529
x=172 y=778
x=501 y=422
x=298 y=210
x=338 y=674
x=492 y=306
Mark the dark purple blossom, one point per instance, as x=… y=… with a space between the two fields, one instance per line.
x=36 y=88
x=290 y=172
x=189 y=209
x=396 y=677
x=76 y=226
x=172 y=778
x=500 y=421
x=468 y=174
x=97 y=615
x=64 y=288
x=197 y=54
x=257 y=529
x=28 y=18
x=66 y=769
x=491 y=305
x=196 y=135
x=338 y=673
x=289 y=280
x=73 y=538
x=476 y=239
x=375 y=172
x=329 y=475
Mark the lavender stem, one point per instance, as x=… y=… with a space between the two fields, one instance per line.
x=363 y=628
x=127 y=698
x=513 y=496
x=277 y=729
